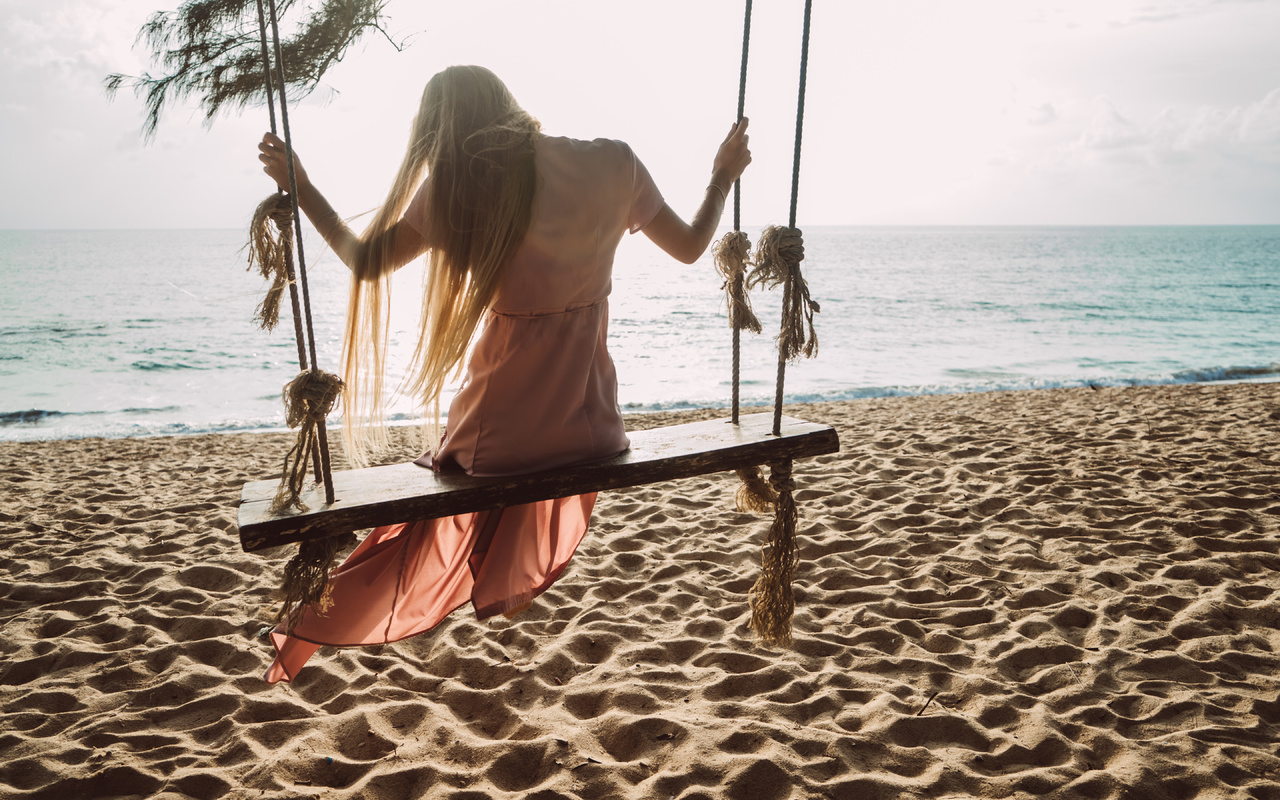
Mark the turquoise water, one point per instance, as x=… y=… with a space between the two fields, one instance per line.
x=118 y=333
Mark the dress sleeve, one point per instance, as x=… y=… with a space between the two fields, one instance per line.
x=646 y=200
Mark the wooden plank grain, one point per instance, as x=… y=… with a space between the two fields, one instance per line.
x=375 y=496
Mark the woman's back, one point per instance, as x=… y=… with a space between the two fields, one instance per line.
x=588 y=194
x=541 y=390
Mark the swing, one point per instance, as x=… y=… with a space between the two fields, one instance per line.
x=350 y=500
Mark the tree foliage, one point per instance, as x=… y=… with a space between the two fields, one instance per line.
x=212 y=50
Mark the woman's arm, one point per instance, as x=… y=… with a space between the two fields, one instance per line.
x=687 y=241
x=406 y=243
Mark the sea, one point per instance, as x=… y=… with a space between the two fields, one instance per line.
x=114 y=333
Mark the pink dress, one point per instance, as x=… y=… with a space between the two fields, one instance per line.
x=540 y=392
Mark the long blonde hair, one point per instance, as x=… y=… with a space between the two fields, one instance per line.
x=476 y=143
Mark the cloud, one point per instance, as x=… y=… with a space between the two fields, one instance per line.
x=1043 y=114
x=76 y=38
x=67 y=136
x=1110 y=134
x=1174 y=11
x=1251 y=132
x=1247 y=133
x=1117 y=15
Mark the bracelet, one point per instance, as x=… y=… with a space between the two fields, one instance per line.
x=723 y=197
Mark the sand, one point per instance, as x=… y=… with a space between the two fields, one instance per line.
x=1063 y=593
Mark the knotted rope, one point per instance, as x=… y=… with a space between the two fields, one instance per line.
x=310 y=396
x=270 y=240
x=778 y=256
x=315 y=434
x=306 y=578
x=755 y=493
x=735 y=246
x=772 y=601
x=308 y=399
x=732 y=256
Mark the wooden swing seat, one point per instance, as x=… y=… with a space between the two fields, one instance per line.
x=374 y=496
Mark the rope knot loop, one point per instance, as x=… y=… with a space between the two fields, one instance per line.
x=269 y=251
x=310 y=396
x=782 y=485
x=754 y=493
x=306 y=578
x=777 y=262
x=308 y=399
x=732 y=256
x=772 y=599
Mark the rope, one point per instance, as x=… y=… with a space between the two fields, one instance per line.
x=293 y=183
x=755 y=493
x=804 y=71
x=772 y=600
x=266 y=65
x=321 y=453
x=310 y=396
x=732 y=254
x=306 y=578
x=269 y=237
x=742 y=107
x=788 y=300
x=736 y=245
x=778 y=257
x=286 y=238
x=308 y=399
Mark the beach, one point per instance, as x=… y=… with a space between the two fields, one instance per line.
x=1067 y=592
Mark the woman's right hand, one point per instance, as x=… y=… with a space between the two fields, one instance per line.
x=275 y=161
x=732 y=157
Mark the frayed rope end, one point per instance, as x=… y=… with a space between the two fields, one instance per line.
x=772 y=600
x=308 y=399
x=754 y=494
x=306 y=578
x=270 y=240
x=732 y=256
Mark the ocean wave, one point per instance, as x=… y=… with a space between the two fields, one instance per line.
x=34 y=424
x=161 y=410
x=156 y=365
x=989 y=383
x=37 y=417
x=45 y=330
x=1213 y=374
x=32 y=416
x=112 y=427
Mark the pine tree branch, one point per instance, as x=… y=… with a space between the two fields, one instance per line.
x=211 y=50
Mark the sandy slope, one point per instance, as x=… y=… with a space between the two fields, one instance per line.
x=1069 y=593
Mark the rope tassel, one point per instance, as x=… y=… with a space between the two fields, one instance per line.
x=732 y=257
x=778 y=256
x=270 y=240
x=755 y=493
x=306 y=578
x=308 y=399
x=772 y=601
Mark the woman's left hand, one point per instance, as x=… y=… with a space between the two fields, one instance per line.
x=275 y=161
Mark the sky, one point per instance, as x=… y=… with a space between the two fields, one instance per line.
x=918 y=112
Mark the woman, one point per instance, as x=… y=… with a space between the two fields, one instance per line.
x=520 y=231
